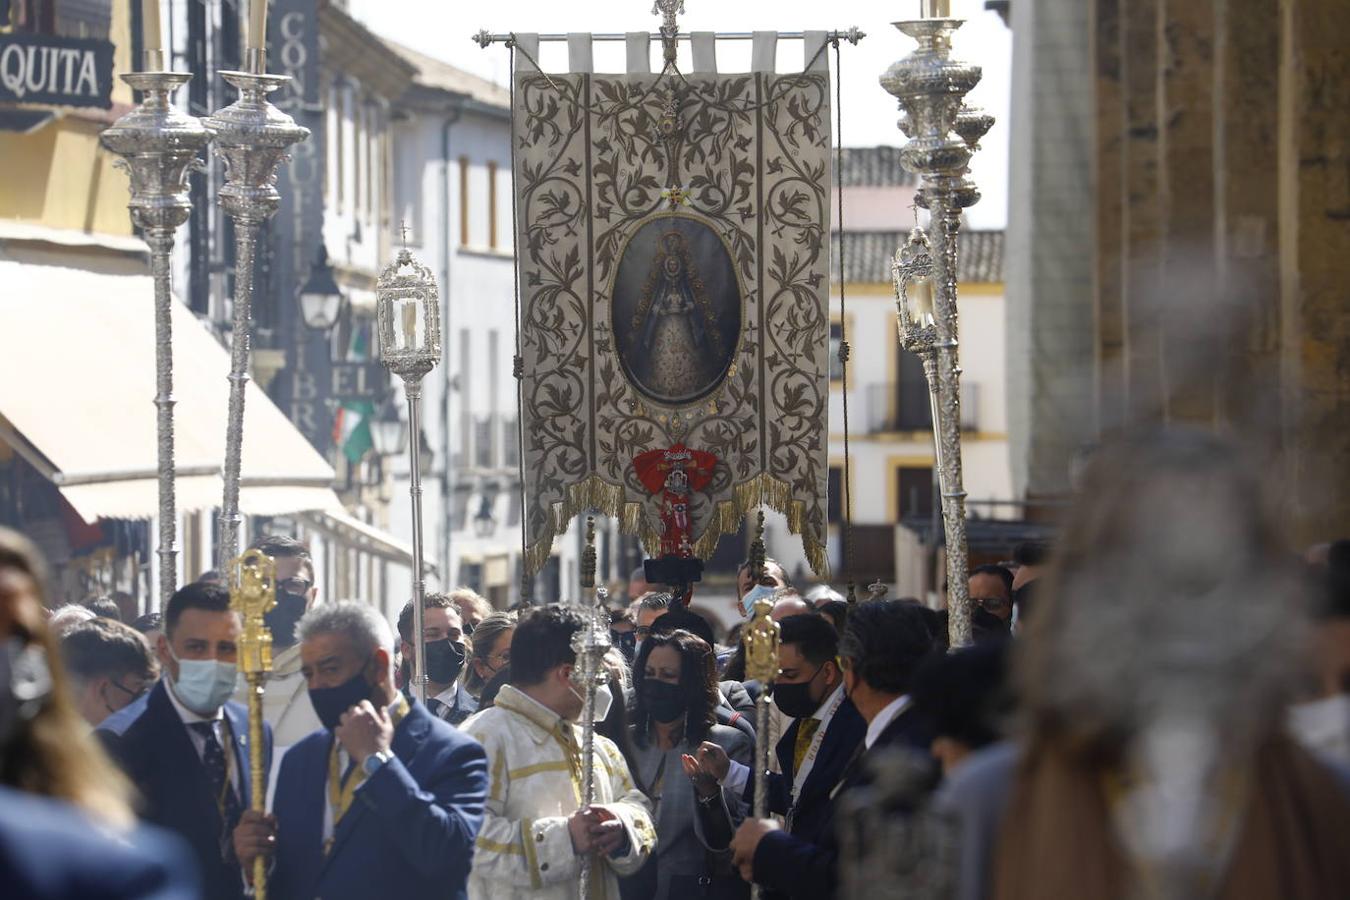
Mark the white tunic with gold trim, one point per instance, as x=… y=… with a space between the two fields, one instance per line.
x=524 y=849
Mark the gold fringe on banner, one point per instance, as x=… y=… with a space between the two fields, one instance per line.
x=594 y=494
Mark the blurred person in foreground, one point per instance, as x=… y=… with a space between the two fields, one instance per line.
x=490 y=651
x=534 y=834
x=885 y=643
x=963 y=696
x=384 y=800
x=443 y=633
x=110 y=665
x=67 y=831
x=185 y=744
x=1321 y=722
x=1151 y=758
x=675 y=712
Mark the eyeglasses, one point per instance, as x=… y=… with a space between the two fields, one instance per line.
x=296 y=585
x=503 y=658
x=992 y=604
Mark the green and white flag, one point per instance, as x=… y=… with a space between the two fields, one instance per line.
x=351 y=426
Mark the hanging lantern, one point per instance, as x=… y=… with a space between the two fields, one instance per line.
x=912 y=272
x=409 y=317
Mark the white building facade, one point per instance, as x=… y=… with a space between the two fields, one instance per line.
x=452 y=186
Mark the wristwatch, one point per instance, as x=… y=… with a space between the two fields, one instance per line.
x=375 y=761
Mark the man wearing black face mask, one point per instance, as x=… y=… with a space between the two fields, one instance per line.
x=385 y=799
x=444 y=635
x=286 y=705
x=825 y=733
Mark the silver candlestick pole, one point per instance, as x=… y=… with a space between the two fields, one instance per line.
x=408 y=314
x=930 y=86
x=590 y=644
x=253 y=138
x=158 y=146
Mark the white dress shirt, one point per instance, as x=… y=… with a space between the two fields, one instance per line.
x=218 y=727
x=888 y=714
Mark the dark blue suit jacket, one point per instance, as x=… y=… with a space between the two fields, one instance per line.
x=50 y=851
x=812 y=813
x=410 y=831
x=150 y=742
x=798 y=866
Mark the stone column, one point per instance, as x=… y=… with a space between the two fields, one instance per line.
x=1141 y=221
x=1190 y=345
x=1314 y=241
x=1108 y=175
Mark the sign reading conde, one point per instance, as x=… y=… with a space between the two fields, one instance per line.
x=55 y=71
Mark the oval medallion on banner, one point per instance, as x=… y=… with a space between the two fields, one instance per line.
x=676 y=309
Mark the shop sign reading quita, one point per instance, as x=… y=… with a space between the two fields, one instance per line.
x=49 y=70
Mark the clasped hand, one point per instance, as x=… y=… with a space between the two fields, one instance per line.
x=595 y=830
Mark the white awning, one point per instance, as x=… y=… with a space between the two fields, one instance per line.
x=352 y=532
x=77 y=387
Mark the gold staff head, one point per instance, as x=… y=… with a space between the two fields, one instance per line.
x=253 y=594
x=761 y=644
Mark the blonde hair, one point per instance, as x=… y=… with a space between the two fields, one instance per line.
x=53 y=754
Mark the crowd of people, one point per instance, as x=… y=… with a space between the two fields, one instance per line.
x=1158 y=705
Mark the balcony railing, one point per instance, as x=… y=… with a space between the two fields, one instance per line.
x=905 y=407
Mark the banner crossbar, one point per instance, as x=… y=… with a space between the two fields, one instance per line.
x=852 y=35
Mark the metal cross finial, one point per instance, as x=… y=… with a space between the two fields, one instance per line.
x=670 y=29
x=668 y=10
x=403 y=228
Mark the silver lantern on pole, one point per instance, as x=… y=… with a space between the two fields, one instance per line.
x=930 y=87
x=590 y=644
x=159 y=147
x=254 y=138
x=408 y=316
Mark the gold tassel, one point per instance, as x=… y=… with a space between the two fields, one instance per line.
x=594 y=493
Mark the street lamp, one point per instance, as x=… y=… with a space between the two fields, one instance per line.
x=321 y=300
x=485 y=523
x=388 y=430
x=408 y=315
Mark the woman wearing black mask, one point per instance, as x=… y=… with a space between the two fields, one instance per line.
x=676 y=696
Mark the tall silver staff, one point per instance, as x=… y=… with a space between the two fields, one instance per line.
x=408 y=315
x=158 y=146
x=253 y=137
x=761 y=664
x=591 y=644
x=930 y=86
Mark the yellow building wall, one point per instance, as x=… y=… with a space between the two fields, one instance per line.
x=58 y=176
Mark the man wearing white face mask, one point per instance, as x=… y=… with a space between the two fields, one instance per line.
x=533 y=835
x=185 y=745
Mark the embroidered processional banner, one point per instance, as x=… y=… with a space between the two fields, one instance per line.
x=674 y=273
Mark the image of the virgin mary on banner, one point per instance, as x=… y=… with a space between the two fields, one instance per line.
x=679 y=345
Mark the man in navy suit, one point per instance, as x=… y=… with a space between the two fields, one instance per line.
x=184 y=745
x=817 y=746
x=883 y=644
x=386 y=800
